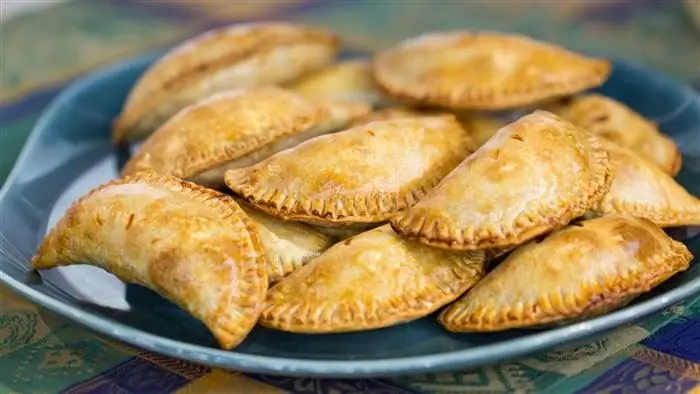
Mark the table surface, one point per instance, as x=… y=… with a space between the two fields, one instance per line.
x=42 y=51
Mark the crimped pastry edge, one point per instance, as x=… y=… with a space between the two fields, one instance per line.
x=490 y=99
x=662 y=218
x=339 y=211
x=285 y=316
x=229 y=333
x=673 y=260
x=526 y=226
x=123 y=126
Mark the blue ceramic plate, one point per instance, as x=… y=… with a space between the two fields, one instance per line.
x=69 y=152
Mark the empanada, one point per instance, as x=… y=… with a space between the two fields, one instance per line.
x=483 y=70
x=357 y=177
x=235 y=56
x=642 y=189
x=375 y=279
x=349 y=81
x=288 y=245
x=534 y=175
x=190 y=244
x=620 y=124
x=583 y=270
x=236 y=129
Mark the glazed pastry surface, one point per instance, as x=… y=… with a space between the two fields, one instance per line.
x=583 y=270
x=483 y=70
x=375 y=279
x=240 y=55
x=192 y=245
x=359 y=176
x=536 y=174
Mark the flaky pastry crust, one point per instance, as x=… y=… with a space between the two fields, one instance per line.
x=355 y=177
x=375 y=279
x=240 y=55
x=642 y=189
x=288 y=245
x=617 y=122
x=348 y=81
x=483 y=70
x=580 y=271
x=190 y=244
x=235 y=129
x=536 y=174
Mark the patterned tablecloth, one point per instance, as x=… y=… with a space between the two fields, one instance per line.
x=41 y=52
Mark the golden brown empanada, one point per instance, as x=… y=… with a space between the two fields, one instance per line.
x=349 y=81
x=375 y=279
x=288 y=245
x=642 y=189
x=236 y=129
x=582 y=270
x=483 y=70
x=190 y=244
x=358 y=177
x=620 y=124
x=235 y=56
x=534 y=175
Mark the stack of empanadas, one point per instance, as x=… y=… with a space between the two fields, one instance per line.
x=329 y=217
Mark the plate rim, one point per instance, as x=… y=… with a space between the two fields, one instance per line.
x=251 y=363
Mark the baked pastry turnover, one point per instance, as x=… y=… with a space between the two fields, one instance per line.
x=235 y=129
x=358 y=177
x=534 y=175
x=583 y=270
x=191 y=245
x=288 y=245
x=350 y=80
x=375 y=279
x=483 y=70
x=642 y=189
x=620 y=124
x=235 y=56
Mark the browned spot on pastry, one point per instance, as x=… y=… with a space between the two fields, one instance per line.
x=637 y=240
x=129 y=221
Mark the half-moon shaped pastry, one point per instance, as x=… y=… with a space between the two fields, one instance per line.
x=288 y=245
x=358 y=177
x=350 y=81
x=620 y=124
x=375 y=279
x=236 y=129
x=640 y=188
x=483 y=70
x=583 y=270
x=192 y=245
x=235 y=56
x=536 y=174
